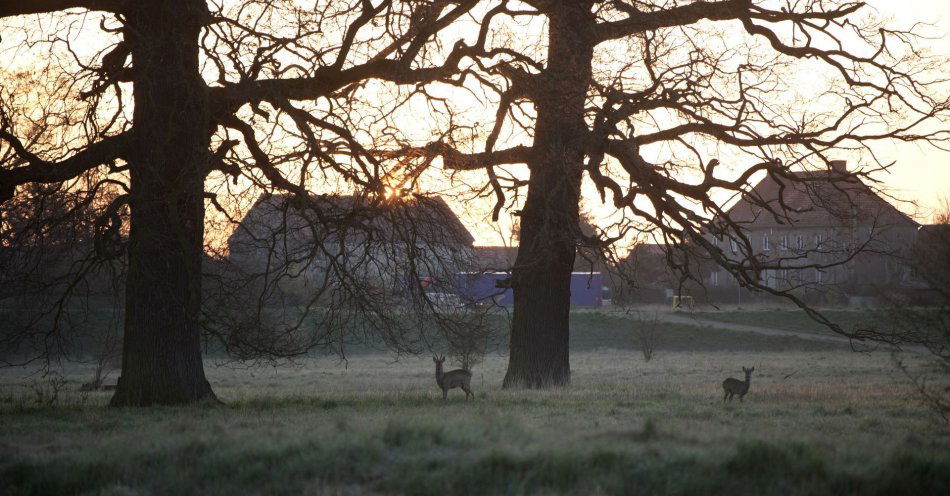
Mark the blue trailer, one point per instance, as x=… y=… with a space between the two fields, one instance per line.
x=481 y=288
x=587 y=289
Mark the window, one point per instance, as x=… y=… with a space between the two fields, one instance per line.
x=417 y=252
x=714 y=278
x=818 y=239
x=735 y=246
x=801 y=242
x=785 y=243
x=765 y=242
x=819 y=276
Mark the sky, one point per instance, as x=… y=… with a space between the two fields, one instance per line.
x=920 y=174
x=918 y=182
x=919 y=179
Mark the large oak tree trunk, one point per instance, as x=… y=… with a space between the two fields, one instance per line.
x=541 y=276
x=161 y=358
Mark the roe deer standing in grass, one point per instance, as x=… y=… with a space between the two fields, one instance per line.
x=733 y=387
x=452 y=379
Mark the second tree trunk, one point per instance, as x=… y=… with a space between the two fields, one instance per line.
x=541 y=277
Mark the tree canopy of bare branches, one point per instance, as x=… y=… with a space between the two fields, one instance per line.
x=669 y=107
x=178 y=109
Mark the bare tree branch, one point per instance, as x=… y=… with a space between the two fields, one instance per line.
x=10 y=8
x=38 y=170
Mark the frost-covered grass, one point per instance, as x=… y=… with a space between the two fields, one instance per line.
x=814 y=422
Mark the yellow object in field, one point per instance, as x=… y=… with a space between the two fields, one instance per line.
x=683 y=302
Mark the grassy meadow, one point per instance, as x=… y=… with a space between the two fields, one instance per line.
x=816 y=421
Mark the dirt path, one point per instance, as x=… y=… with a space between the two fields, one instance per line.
x=685 y=318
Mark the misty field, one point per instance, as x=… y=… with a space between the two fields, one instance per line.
x=814 y=422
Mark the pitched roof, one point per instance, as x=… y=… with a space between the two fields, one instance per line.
x=647 y=249
x=495 y=257
x=814 y=199
x=428 y=219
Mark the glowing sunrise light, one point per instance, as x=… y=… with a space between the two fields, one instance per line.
x=394 y=193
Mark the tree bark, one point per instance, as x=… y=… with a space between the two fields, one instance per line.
x=541 y=276
x=161 y=358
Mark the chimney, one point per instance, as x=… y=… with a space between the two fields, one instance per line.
x=839 y=166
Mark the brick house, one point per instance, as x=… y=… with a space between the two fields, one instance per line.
x=845 y=226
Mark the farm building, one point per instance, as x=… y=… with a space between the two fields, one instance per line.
x=386 y=244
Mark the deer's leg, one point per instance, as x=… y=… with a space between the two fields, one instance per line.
x=724 y=396
x=445 y=394
x=468 y=392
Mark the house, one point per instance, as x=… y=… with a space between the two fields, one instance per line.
x=930 y=264
x=502 y=258
x=645 y=275
x=831 y=231
x=495 y=258
x=332 y=237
